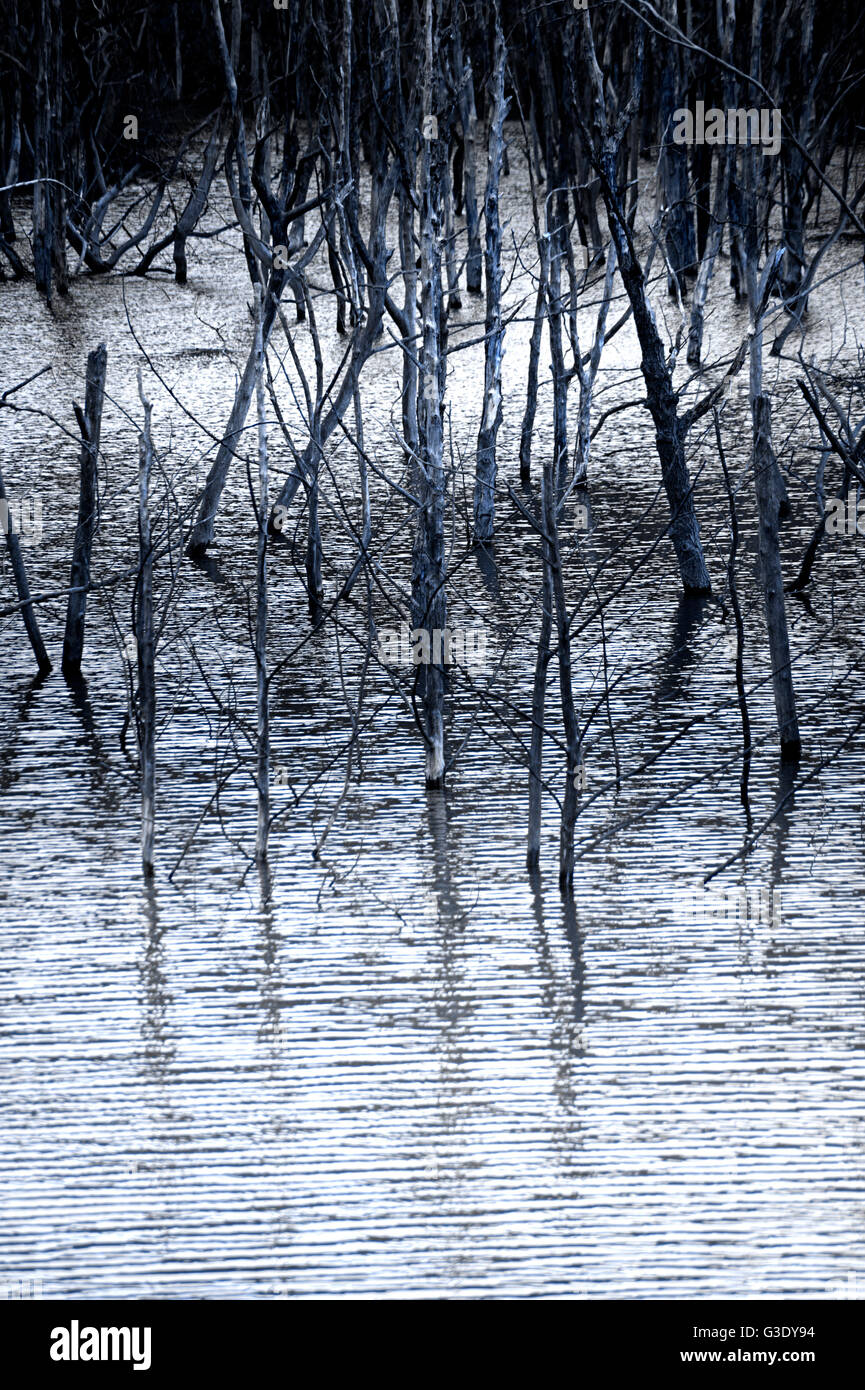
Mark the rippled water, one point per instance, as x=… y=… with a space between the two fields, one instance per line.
x=406 y=1069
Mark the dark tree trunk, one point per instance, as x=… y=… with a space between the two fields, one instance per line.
x=49 y=198
x=485 y=473
x=19 y=574
x=79 y=581
x=769 y=502
x=429 y=606
x=145 y=644
x=661 y=400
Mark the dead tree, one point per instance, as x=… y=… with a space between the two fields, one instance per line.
x=19 y=574
x=429 y=605
x=679 y=242
x=468 y=120
x=90 y=424
x=49 y=195
x=145 y=642
x=186 y=223
x=262 y=508
x=660 y=395
x=202 y=532
x=769 y=502
x=718 y=213
x=485 y=478
x=536 y=740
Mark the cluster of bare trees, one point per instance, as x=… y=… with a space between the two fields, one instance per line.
x=361 y=152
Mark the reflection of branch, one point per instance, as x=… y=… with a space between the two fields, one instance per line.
x=752 y=839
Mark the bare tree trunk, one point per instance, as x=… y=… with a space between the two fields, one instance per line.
x=145 y=642
x=740 y=626
x=10 y=169
x=49 y=199
x=660 y=396
x=485 y=475
x=19 y=574
x=536 y=746
x=383 y=181
x=661 y=400
x=178 y=57
x=673 y=170
x=229 y=67
x=556 y=235
x=202 y=532
x=409 y=358
x=314 y=583
x=800 y=98
x=452 y=273
x=263 y=719
x=194 y=208
x=768 y=506
x=90 y=424
x=587 y=374
x=532 y=386
x=726 y=23
x=468 y=120
x=428 y=568
x=553 y=562
x=707 y=263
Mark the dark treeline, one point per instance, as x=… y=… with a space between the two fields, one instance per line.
x=72 y=75
x=375 y=136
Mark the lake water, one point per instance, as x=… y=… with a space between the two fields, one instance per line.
x=407 y=1069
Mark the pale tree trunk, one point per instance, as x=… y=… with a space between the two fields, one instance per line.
x=202 y=532
x=383 y=181
x=90 y=424
x=552 y=251
x=707 y=263
x=229 y=67
x=587 y=374
x=485 y=477
x=726 y=18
